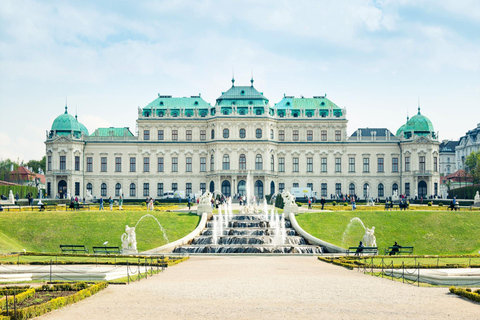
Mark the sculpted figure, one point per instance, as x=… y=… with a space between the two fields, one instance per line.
x=369 y=238
x=129 y=239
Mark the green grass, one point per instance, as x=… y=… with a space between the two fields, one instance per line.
x=430 y=232
x=45 y=231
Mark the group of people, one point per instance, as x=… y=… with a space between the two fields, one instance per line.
x=110 y=202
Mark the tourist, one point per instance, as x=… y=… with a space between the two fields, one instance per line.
x=120 y=203
x=189 y=204
x=1 y=208
x=395 y=249
x=151 y=204
x=101 y=204
x=41 y=206
x=309 y=203
x=110 y=202
x=359 y=249
x=322 y=201
x=354 y=205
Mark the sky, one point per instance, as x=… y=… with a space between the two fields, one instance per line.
x=104 y=59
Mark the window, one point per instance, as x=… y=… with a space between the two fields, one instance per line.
x=380 y=164
x=309 y=135
x=324 y=189
x=226 y=133
x=146 y=134
x=77 y=163
x=281 y=164
x=407 y=164
x=394 y=188
x=309 y=164
x=118 y=164
x=242 y=133
x=133 y=162
x=258 y=162
x=338 y=164
x=295 y=185
x=310 y=185
x=272 y=163
x=77 y=188
x=351 y=164
x=63 y=162
x=203 y=187
x=258 y=133
x=103 y=190
x=188 y=167
x=323 y=165
x=103 y=162
x=435 y=188
x=394 y=164
x=160 y=164
x=295 y=135
x=338 y=135
x=159 y=189
x=281 y=135
x=188 y=135
x=407 y=189
x=212 y=135
x=203 y=135
x=174 y=186
x=146 y=164
x=226 y=162
x=49 y=163
x=89 y=187
x=160 y=134
x=212 y=163
x=366 y=164
x=324 y=135
x=146 y=189
x=242 y=162
x=118 y=187
x=174 y=135
x=203 y=164
x=380 y=190
x=49 y=188
x=188 y=188
x=366 y=190
x=132 y=189
x=281 y=187
x=422 y=163
x=435 y=164
x=351 y=189
x=295 y=165
x=338 y=188
x=271 y=134
x=174 y=164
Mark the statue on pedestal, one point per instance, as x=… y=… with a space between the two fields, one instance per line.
x=477 y=198
x=369 y=238
x=129 y=240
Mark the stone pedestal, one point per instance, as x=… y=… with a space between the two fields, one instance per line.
x=129 y=251
x=290 y=208
x=204 y=208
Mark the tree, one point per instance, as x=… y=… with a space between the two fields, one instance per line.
x=473 y=166
x=35 y=164
x=6 y=168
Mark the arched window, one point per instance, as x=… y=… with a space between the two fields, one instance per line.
x=118 y=186
x=271 y=134
x=381 y=192
x=132 y=190
x=366 y=191
x=89 y=187
x=226 y=133
x=212 y=186
x=242 y=187
x=213 y=134
x=272 y=163
x=212 y=163
x=103 y=190
x=272 y=188
x=226 y=188
x=226 y=162
x=394 y=188
x=258 y=162
x=258 y=189
x=242 y=162
x=422 y=189
x=242 y=133
x=258 y=133
x=351 y=189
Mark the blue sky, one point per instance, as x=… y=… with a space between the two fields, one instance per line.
x=376 y=58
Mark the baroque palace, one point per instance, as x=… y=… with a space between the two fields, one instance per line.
x=186 y=144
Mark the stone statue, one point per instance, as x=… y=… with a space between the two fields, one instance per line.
x=477 y=198
x=89 y=195
x=288 y=198
x=129 y=240
x=369 y=238
x=12 y=199
x=205 y=198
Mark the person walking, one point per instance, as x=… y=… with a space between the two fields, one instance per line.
x=354 y=205
x=120 y=203
x=322 y=201
x=110 y=201
x=309 y=203
x=101 y=204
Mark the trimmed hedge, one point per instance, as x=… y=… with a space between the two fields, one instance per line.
x=22 y=191
x=18 y=298
x=466 y=293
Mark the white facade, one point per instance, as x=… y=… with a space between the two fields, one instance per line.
x=469 y=143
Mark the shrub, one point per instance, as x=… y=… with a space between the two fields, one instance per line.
x=466 y=293
x=298 y=204
x=334 y=203
x=430 y=204
x=143 y=204
x=157 y=203
x=440 y=204
x=279 y=202
x=345 y=204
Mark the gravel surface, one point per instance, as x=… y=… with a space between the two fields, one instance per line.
x=274 y=287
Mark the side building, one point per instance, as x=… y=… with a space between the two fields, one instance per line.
x=467 y=144
x=186 y=144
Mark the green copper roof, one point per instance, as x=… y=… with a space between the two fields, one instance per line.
x=417 y=125
x=242 y=96
x=82 y=127
x=320 y=102
x=402 y=128
x=64 y=124
x=164 y=102
x=115 y=132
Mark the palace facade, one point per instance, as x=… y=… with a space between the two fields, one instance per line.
x=188 y=144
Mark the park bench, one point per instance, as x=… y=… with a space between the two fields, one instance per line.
x=366 y=250
x=107 y=250
x=399 y=204
x=455 y=206
x=406 y=250
x=71 y=248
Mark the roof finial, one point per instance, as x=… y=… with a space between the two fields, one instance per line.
x=66 y=105
x=251 y=80
x=76 y=116
x=233 y=77
x=418 y=105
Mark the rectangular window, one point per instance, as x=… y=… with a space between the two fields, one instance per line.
x=174 y=135
x=49 y=163
x=295 y=135
x=407 y=164
x=174 y=164
x=77 y=188
x=77 y=163
x=338 y=135
x=309 y=164
x=188 y=189
x=407 y=189
x=212 y=163
x=159 y=189
x=324 y=135
x=188 y=168
x=281 y=164
x=146 y=189
x=133 y=164
x=203 y=164
x=118 y=164
x=203 y=135
x=89 y=164
x=380 y=164
x=160 y=164
x=324 y=164
x=338 y=188
x=295 y=184
x=394 y=164
x=366 y=164
x=422 y=163
x=103 y=162
x=295 y=164
x=174 y=186
x=146 y=134
x=281 y=187
x=309 y=135
x=435 y=188
x=310 y=185
x=188 y=135
x=203 y=187
x=63 y=162
x=160 y=134
x=49 y=188
x=435 y=164
x=146 y=164
x=351 y=164
x=324 y=189
x=281 y=135
x=338 y=164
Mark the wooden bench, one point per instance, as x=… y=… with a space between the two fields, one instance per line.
x=400 y=250
x=107 y=250
x=73 y=248
x=399 y=204
x=366 y=250
x=455 y=206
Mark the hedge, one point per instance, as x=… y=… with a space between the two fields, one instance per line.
x=466 y=293
x=22 y=191
x=18 y=298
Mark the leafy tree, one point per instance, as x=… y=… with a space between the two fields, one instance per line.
x=5 y=168
x=279 y=201
x=35 y=164
x=473 y=166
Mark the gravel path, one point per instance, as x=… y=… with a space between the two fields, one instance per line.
x=256 y=287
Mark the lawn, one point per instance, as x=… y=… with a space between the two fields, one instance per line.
x=45 y=231
x=430 y=232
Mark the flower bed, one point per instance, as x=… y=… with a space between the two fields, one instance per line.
x=468 y=293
